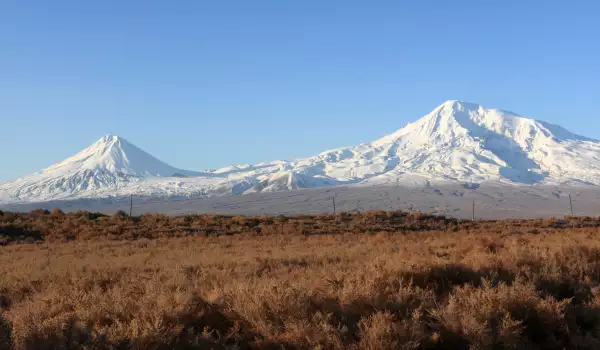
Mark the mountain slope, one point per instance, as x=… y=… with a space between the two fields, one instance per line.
x=115 y=155
x=467 y=142
x=108 y=164
x=457 y=141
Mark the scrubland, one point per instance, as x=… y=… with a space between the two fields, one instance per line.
x=376 y=280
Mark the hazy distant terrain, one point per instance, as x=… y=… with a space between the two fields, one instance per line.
x=492 y=201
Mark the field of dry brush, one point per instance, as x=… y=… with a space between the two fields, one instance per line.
x=376 y=280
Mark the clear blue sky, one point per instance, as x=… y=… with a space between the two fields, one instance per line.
x=205 y=84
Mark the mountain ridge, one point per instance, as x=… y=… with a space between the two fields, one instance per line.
x=457 y=141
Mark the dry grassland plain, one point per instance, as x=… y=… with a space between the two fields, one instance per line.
x=376 y=280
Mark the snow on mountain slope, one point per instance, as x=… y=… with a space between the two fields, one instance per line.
x=467 y=142
x=109 y=164
x=115 y=155
x=457 y=141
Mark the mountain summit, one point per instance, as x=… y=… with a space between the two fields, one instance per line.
x=113 y=154
x=458 y=141
x=111 y=163
x=465 y=141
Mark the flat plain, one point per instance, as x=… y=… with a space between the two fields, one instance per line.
x=373 y=280
x=492 y=201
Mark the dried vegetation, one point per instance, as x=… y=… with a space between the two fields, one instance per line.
x=374 y=280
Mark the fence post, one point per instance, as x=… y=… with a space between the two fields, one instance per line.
x=473 y=211
x=333 y=199
x=571 y=205
x=130 y=204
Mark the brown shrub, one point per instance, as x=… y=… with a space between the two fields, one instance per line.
x=5 y=334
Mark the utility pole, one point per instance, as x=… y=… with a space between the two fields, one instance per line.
x=473 y=210
x=130 y=204
x=571 y=205
x=333 y=199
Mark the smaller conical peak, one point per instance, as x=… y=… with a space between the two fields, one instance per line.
x=113 y=154
x=108 y=142
x=110 y=138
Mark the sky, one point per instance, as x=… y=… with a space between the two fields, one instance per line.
x=206 y=84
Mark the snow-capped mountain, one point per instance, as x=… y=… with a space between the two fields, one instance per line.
x=468 y=142
x=110 y=163
x=457 y=141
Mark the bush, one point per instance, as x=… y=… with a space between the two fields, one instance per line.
x=5 y=334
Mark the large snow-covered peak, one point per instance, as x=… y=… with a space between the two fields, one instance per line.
x=455 y=120
x=469 y=142
x=451 y=120
x=474 y=118
x=454 y=105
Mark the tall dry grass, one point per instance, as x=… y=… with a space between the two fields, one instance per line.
x=489 y=285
